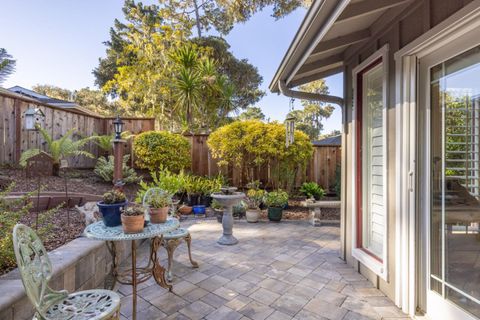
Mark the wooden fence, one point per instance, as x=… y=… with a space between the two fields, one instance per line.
x=14 y=139
x=320 y=169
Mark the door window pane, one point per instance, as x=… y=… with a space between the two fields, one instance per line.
x=373 y=224
x=455 y=216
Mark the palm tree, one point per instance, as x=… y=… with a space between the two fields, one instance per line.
x=7 y=65
x=59 y=149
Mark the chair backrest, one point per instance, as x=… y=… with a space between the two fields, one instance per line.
x=34 y=266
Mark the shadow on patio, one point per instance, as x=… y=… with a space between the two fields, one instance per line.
x=287 y=270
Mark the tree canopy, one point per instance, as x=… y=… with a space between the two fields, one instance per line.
x=252 y=113
x=309 y=119
x=7 y=65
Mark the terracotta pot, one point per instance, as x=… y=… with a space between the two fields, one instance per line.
x=159 y=215
x=133 y=224
x=185 y=209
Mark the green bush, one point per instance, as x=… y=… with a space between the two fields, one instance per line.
x=104 y=169
x=338 y=181
x=251 y=144
x=277 y=199
x=312 y=189
x=155 y=150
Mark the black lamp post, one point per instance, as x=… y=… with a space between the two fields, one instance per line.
x=118 y=127
x=118 y=153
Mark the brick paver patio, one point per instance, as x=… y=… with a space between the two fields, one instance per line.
x=287 y=270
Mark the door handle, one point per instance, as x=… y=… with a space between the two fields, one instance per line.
x=410 y=181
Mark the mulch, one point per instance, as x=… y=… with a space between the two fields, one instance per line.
x=78 y=180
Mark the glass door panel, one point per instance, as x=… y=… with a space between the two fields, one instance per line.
x=455 y=182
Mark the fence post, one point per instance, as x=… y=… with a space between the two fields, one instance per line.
x=18 y=130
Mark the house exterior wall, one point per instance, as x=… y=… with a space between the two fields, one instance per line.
x=419 y=17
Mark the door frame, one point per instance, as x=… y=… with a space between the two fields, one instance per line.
x=410 y=269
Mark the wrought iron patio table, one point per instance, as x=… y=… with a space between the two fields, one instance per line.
x=135 y=275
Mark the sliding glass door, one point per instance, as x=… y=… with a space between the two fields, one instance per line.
x=454 y=166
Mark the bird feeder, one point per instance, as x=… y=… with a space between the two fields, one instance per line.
x=33 y=117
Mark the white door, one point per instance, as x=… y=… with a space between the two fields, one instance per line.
x=449 y=193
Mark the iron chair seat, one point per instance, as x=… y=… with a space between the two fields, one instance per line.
x=170 y=242
x=36 y=270
x=83 y=305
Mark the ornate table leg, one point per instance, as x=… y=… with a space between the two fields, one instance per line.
x=134 y=280
x=158 y=271
x=112 y=277
x=188 y=240
x=170 y=245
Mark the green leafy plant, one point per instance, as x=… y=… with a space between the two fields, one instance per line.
x=105 y=142
x=59 y=149
x=114 y=196
x=216 y=205
x=312 y=190
x=277 y=199
x=170 y=182
x=240 y=208
x=255 y=198
x=159 y=200
x=135 y=210
x=104 y=169
x=338 y=181
x=161 y=149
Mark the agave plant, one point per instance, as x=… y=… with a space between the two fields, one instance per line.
x=59 y=149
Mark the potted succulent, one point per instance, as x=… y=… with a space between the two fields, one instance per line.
x=133 y=219
x=159 y=205
x=217 y=207
x=254 y=199
x=312 y=190
x=275 y=202
x=110 y=207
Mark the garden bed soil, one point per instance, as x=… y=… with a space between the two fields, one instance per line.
x=59 y=231
x=78 y=180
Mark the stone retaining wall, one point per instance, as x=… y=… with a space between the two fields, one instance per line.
x=78 y=265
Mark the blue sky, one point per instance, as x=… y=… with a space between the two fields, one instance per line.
x=59 y=42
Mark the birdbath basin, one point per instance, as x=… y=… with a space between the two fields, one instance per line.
x=228 y=197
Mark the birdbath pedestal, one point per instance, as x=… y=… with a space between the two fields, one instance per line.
x=228 y=198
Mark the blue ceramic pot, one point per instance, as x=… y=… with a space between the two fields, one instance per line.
x=200 y=209
x=275 y=213
x=111 y=213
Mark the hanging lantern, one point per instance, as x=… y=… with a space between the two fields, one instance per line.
x=33 y=116
x=290 y=126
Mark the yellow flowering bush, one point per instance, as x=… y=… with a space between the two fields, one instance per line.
x=252 y=143
x=162 y=149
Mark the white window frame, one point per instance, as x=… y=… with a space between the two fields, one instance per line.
x=380 y=268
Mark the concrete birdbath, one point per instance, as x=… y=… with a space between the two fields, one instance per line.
x=228 y=197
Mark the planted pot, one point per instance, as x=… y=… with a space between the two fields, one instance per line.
x=185 y=210
x=133 y=224
x=275 y=213
x=111 y=213
x=193 y=199
x=252 y=215
x=159 y=215
x=206 y=200
x=199 y=210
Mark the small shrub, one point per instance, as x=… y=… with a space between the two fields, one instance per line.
x=255 y=198
x=277 y=198
x=159 y=200
x=312 y=189
x=162 y=149
x=104 y=169
x=338 y=181
x=133 y=211
x=114 y=196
